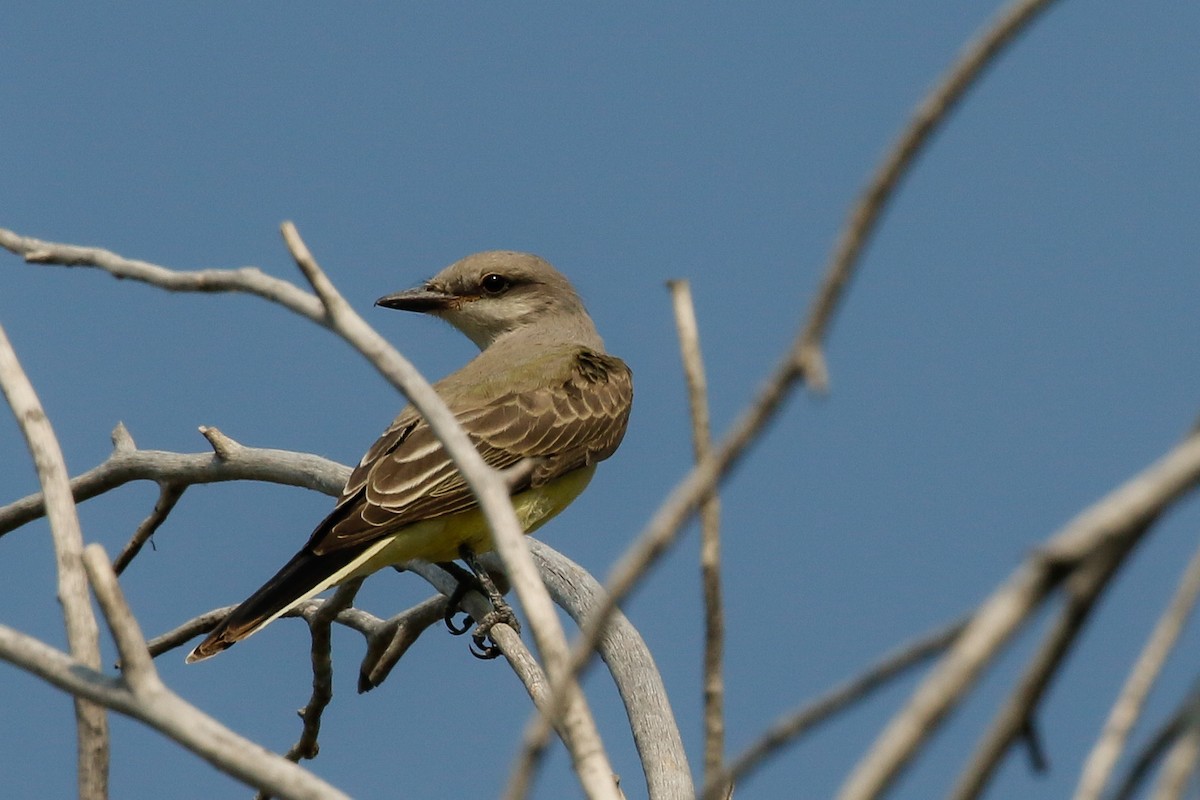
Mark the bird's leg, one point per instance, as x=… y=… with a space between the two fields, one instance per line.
x=501 y=611
x=464 y=582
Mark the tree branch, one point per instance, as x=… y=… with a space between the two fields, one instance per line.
x=710 y=532
x=83 y=635
x=1124 y=514
x=1156 y=748
x=388 y=643
x=171 y=716
x=1125 y=712
x=1015 y=720
x=137 y=666
x=647 y=707
x=247 y=280
x=168 y=496
x=1180 y=764
x=797 y=723
x=127 y=463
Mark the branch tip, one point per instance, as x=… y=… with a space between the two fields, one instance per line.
x=222 y=445
x=122 y=440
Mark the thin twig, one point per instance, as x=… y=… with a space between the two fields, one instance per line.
x=83 y=634
x=1015 y=720
x=633 y=671
x=929 y=116
x=1128 y=707
x=710 y=532
x=1159 y=743
x=796 y=724
x=127 y=463
x=247 y=280
x=136 y=664
x=354 y=618
x=1180 y=764
x=1123 y=515
x=390 y=641
x=168 y=496
x=171 y=716
x=320 y=622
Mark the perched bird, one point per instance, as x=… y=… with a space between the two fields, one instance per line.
x=541 y=388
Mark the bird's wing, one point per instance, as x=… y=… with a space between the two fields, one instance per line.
x=567 y=423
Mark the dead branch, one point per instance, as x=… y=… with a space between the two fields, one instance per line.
x=710 y=532
x=127 y=463
x=83 y=634
x=1128 y=707
x=1121 y=516
x=797 y=723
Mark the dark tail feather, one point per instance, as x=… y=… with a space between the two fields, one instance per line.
x=298 y=580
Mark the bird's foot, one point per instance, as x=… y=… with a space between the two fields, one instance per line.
x=482 y=644
x=465 y=582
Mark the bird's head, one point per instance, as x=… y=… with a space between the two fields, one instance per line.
x=499 y=292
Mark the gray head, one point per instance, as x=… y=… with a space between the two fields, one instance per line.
x=499 y=293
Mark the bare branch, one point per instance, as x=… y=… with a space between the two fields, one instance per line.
x=353 y=618
x=83 y=634
x=387 y=644
x=126 y=463
x=655 y=732
x=1015 y=720
x=320 y=618
x=136 y=665
x=528 y=671
x=929 y=116
x=797 y=723
x=223 y=447
x=1128 y=708
x=1157 y=747
x=168 y=496
x=710 y=531
x=246 y=280
x=1121 y=516
x=170 y=715
x=1179 y=765
x=320 y=621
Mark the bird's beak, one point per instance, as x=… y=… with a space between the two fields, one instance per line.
x=421 y=299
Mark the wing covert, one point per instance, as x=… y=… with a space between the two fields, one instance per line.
x=571 y=421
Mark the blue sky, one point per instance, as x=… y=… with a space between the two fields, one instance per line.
x=1022 y=337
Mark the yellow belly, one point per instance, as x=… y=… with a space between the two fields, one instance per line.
x=439 y=539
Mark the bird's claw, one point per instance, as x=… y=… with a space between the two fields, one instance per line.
x=482 y=645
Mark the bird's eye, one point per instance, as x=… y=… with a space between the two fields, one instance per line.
x=493 y=283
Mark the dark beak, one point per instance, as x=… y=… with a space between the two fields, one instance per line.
x=421 y=299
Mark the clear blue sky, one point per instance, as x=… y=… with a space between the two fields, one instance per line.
x=1023 y=336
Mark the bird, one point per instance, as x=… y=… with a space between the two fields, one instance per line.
x=541 y=391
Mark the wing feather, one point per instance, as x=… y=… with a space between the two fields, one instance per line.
x=571 y=421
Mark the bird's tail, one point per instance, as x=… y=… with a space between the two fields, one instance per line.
x=306 y=575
